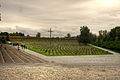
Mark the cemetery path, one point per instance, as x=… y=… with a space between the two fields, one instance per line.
x=82 y=59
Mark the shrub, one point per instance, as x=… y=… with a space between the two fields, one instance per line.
x=112 y=45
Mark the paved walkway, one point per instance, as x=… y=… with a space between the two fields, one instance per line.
x=82 y=59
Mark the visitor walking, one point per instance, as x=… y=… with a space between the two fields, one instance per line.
x=22 y=46
x=25 y=47
x=18 y=47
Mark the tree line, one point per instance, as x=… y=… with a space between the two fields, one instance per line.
x=4 y=36
x=11 y=34
x=87 y=37
x=106 y=39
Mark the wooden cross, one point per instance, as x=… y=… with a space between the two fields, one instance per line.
x=50 y=32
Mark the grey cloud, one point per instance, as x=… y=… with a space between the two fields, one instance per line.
x=33 y=16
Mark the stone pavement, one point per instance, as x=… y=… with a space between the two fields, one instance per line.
x=82 y=59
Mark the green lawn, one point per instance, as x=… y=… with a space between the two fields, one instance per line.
x=62 y=48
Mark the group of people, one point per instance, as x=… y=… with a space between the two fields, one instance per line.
x=19 y=46
x=23 y=46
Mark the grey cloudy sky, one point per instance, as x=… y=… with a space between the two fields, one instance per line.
x=63 y=16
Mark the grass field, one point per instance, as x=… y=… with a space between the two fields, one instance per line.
x=65 y=48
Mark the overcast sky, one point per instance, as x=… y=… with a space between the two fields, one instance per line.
x=63 y=16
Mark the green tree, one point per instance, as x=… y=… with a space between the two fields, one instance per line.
x=3 y=40
x=7 y=38
x=115 y=34
x=21 y=34
x=38 y=35
x=16 y=34
x=103 y=36
x=93 y=37
x=84 y=36
x=68 y=35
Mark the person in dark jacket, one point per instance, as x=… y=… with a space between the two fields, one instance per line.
x=22 y=46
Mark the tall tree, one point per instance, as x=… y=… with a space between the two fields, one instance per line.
x=115 y=34
x=103 y=35
x=5 y=36
x=84 y=36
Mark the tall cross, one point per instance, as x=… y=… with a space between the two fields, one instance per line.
x=50 y=32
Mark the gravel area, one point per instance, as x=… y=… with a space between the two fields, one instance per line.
x=58 y=72
x=89 y=67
